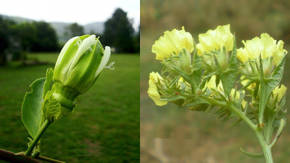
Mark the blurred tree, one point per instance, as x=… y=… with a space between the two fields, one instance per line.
x=46 y=38
x=3 y=40
x=6 y=33
x=74 y=29
x=37 y=36
x=119 y=32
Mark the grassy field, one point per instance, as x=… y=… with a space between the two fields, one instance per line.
x=173 y=134
x=104 y=127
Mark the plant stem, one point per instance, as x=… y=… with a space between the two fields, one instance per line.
x=265 y=147
x=36 y=139
x=243 y=117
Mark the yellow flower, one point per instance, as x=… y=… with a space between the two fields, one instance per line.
x=182 y=84
x=279 y=92
x=244 y=82
x=153 y=90
x=244 y=104
x=215 y=40
x=235 y=95
x=211 y=85
x=171 y=43
x=265 y=46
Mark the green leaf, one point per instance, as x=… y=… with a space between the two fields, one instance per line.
x=229 y=77
x=228 y=80
x=31 y=113
x=251 y=154
x=267 y=85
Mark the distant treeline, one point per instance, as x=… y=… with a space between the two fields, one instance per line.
x=16 y=39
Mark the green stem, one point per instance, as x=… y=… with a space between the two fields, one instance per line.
x=266 y=148
x=243 y=117
x=36 y=139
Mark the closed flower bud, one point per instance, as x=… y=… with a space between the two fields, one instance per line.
x=213 y=86
x=171 y=43
x=153 y=92
x=79 y=64
x=278 y=93
x=183 y=85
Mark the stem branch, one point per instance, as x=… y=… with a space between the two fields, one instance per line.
x=36 y=139
x=265 y=147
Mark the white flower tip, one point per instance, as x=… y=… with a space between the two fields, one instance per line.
x=104 y=61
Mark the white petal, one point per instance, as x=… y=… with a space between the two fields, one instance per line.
x=104 y=61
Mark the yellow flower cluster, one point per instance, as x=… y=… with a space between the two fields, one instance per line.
x=216 y=39
x=171 y=43
x=153 y=93
x=265 y=46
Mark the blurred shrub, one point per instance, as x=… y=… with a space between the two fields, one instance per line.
x=16 y=39
x=247 y=17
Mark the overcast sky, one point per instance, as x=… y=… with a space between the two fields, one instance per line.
x=80 y=11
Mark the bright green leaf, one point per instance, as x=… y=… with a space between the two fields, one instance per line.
x=31 y=113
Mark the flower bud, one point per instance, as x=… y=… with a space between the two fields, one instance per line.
x=212 y=86
x=153 y=92
x=214 y=46
x=79 y=64
x=278 y=93
x=171 y=43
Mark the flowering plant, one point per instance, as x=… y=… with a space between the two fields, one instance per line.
x=79 y=64
x=216 y=75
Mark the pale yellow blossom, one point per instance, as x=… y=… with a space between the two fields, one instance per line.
x=172 y=42
x=216 y=39
x=265 y=46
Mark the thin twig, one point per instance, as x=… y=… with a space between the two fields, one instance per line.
x=21 y=158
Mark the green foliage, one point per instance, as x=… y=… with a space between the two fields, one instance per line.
x=15 y=39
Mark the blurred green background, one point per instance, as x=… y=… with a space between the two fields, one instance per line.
x=104 y=127
x=172 y=134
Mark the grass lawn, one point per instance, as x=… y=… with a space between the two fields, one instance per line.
x=181 y=135
x=104 y=127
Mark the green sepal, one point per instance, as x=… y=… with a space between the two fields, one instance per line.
x=51 y=108
x=229 y=77
x=31 y=114
x=48 y=81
